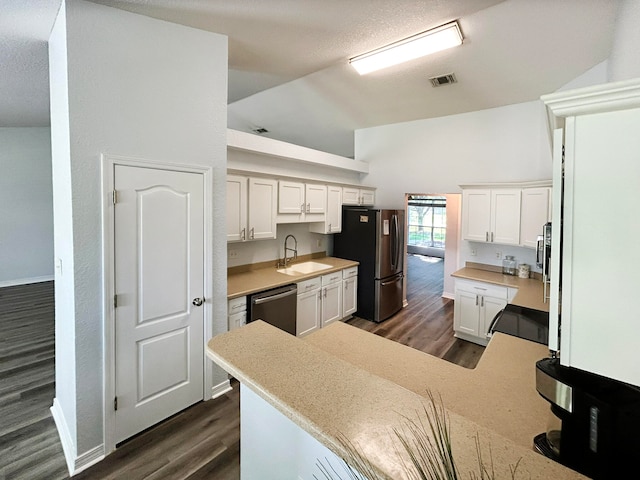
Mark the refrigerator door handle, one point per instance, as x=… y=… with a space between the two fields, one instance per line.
x=395 y=243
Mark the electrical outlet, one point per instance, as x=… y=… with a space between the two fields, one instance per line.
x=498 y=255
x=473 y=252
x=233 y=253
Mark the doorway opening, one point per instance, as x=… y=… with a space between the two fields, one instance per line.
x=427 y=225
x=433 y=226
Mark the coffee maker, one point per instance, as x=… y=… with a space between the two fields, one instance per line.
x=594 y=425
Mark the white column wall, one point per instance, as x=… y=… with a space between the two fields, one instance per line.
x=137 y=87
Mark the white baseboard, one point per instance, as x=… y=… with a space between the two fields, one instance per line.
x=25 y=281
x=448 y=295
x=220 y=389
x=75 y=463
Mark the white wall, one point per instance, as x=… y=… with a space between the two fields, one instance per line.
x=137 y=87
x=624 y=61
x=26 y=216
x=505 y=144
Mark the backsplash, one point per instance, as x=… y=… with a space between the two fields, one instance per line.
x=486 y=253
x=244 y=253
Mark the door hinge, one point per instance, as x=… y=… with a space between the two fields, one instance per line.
x=114 y=196
x=115 y=403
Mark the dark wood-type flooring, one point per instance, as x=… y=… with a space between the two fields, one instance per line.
x=203 y=441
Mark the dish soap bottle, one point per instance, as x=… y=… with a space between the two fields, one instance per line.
x=509 y=265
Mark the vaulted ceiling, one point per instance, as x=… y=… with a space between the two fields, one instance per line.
x=288 y=59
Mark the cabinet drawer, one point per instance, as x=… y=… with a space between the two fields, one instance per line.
x=482 y=288
x=235 y=305
x=350 y=272
x=330 y=278
x=309 y=285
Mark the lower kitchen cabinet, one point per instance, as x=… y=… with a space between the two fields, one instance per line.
x=475 y=306
x=349 y=291
x=309 y=307
x=236 y=312
x=331 y=298
x=325 y=299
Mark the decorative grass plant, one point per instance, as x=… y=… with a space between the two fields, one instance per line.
x=427 y=443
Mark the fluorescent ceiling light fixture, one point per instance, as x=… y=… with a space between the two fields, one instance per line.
x=431 y=41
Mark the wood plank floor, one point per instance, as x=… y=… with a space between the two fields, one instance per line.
x=202 y=442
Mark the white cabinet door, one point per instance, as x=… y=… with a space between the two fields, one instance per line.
x=466 y=312
x=334 y=209
x=316 y=198
x=350 y=196
x=262 y=208
x=237 y=320
x=308 y=312
x=476 y=215
x=357 y=196
x=291 y=197
x=491 y=215
x=367 y=197
x=333 y=215
x=236 y=208
x=475 y=306
x=350 y=296
x=505 y=216
x=533 y=214
x=489 y=308
x=331 y=303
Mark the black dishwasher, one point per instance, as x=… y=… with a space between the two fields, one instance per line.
x=276 y=306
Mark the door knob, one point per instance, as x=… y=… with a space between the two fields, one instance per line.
x=198 y=301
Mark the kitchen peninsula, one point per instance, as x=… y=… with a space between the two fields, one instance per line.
x=341 y=382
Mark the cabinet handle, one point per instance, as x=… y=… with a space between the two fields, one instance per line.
x=482 y=301
x=491 y=237
x=325 y=293
x=308 y=208
x=329 y=227
x=302 y=208
x=476 y=300
x=252 y=234
x=486 y=236
x=243 y=234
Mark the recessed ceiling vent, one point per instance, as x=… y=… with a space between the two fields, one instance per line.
x=259 y=130
x=447 y=79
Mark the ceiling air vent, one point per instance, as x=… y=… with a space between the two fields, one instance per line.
x=447 y=79
x=259 y=130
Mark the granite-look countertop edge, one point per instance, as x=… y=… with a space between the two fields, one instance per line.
x=246 y=283
x=328 y=397
x=529 y=290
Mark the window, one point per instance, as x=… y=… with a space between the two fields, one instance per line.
x=427 y=221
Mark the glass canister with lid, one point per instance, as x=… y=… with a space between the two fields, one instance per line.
x=509 y=265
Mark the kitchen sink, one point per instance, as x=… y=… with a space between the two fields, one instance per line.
x=304 y=268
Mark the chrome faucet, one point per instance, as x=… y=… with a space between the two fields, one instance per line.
x=286 y=260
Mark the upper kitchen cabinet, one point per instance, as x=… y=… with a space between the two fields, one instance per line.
x=534 y=213
x=236 y=208
x=491 y=215
x=597 y=130
x=358 y=196
x=333 y=213
x=299 y=202
x=251 y=208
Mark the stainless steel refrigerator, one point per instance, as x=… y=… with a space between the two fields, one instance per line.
x=375 y=238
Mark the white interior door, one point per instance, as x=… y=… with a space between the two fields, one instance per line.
x=159 y=343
